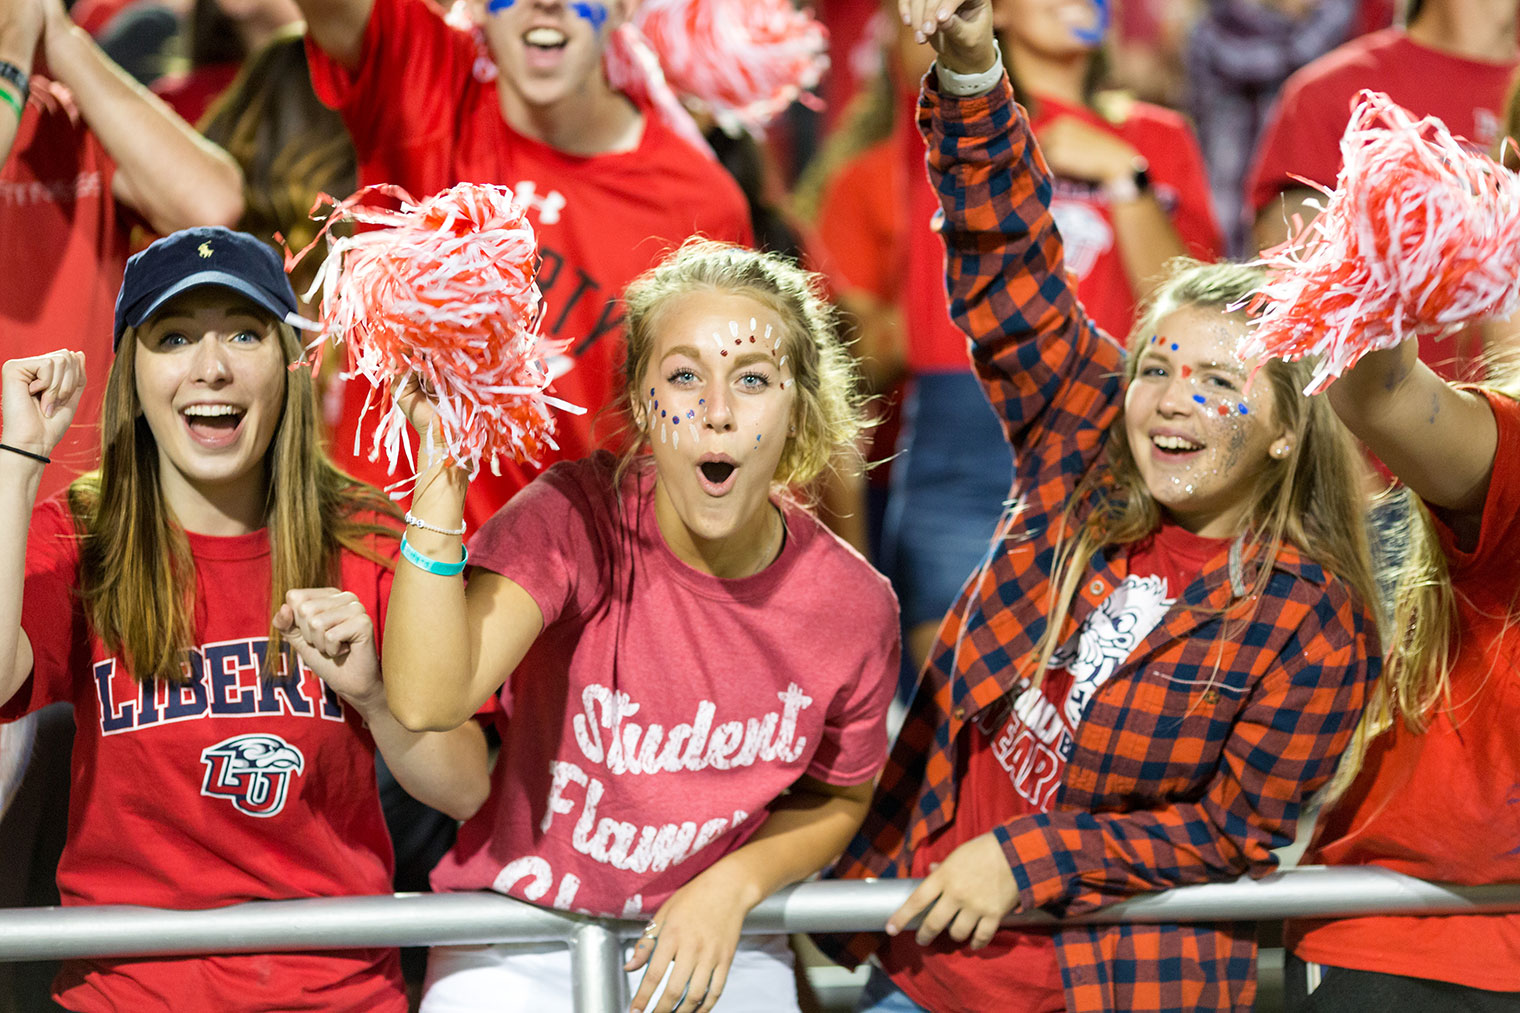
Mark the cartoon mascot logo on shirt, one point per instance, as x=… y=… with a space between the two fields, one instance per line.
x=253 y=772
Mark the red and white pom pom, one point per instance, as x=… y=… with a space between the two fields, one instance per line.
x=633 y=68
x=741 y=61
x=1420 y=236
x=445 y=290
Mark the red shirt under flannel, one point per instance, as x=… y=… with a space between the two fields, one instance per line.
x=1193 y=760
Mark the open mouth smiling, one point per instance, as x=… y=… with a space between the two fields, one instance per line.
x=1169 y=444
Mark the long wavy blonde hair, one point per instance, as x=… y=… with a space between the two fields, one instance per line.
x=137 y=576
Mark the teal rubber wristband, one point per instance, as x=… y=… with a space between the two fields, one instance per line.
x=433 y=566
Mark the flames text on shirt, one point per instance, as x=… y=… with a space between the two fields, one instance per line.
x=222 y=681
x=628 y=748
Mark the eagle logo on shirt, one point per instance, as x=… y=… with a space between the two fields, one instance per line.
x=253 y=772
x=1108 y=636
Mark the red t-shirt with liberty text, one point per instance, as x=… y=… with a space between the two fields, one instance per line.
x=422 y=118
x=663 y=709
x=1011 y=766
x=222 y=789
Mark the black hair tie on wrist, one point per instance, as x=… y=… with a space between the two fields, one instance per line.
x=26 y=453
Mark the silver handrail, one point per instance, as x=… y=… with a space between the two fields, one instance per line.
x=595 y=943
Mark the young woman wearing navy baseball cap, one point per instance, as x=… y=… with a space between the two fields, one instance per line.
x=208 y=603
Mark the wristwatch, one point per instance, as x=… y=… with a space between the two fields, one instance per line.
x=1137 y=184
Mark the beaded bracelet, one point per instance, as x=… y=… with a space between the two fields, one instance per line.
x=16 y=76
x=433 y=566
x=418 y=522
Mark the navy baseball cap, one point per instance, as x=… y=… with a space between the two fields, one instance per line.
x=197 y=258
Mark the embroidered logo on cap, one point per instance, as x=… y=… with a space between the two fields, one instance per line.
x=204 y=250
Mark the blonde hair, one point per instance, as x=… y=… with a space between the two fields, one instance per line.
x=137 y=576
x=1310 y=498
x=828 y=414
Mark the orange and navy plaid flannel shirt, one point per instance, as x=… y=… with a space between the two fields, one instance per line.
x=1181 y=772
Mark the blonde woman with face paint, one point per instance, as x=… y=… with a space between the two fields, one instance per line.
x=695 y=671
x=206 y=601
x=1169 y=642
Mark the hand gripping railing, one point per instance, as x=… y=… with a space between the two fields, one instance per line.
x=596 y=943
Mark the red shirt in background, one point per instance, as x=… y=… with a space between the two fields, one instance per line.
x=1081 y=209
x=190 y=93
x=63 y=247
x=420 y=118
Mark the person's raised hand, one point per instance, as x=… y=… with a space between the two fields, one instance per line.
x=38 y=398
x=959 y=30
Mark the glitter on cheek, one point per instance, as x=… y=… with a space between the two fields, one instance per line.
x=1243 y=409
x=1187 y=371
x=1174 y=346
x=1223 y=408
x=1200 y=399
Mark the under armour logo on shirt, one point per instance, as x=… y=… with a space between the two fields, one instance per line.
x=548 y=206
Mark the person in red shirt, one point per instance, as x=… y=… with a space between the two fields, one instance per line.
x=206 y=601
x=609 y=186
x=1453 y=60
x=1436 y=797
x=697 y=671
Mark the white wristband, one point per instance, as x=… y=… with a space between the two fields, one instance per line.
x=967 y=85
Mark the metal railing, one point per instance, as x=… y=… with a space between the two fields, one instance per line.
x=600 y=985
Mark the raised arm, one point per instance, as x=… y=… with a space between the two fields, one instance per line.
x=38 y=398
x=447 y=650
x=337 y=27
x=1045 y=367
x=165 y=171
x=1439 y=440
x=20 y=29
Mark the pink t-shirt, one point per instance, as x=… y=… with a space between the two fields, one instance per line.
x=222 y=789
x=662 y=709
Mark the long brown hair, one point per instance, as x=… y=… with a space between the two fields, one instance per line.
x=137 y=577
x=1309 y=499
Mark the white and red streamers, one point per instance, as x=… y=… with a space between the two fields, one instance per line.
x=741 y=61
x=1420 y=236
x=633 y=68
x=444 y=290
